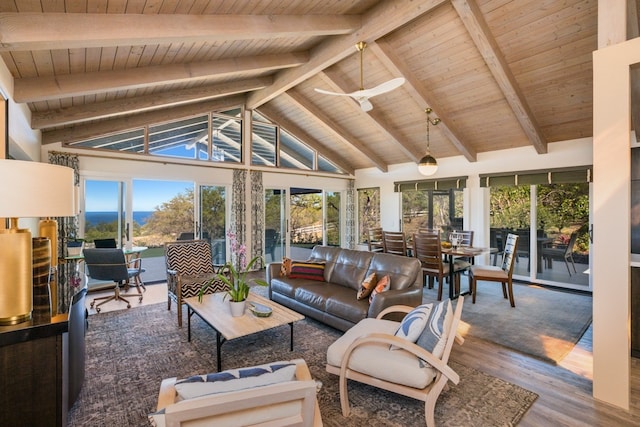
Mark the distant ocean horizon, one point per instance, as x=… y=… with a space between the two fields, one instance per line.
x=97 y=217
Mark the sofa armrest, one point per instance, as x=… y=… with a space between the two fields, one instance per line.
x=273 y=270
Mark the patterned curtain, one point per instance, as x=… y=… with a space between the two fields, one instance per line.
x=238 y=210
x=257 y=217
x=350 y=225
x=68 y=279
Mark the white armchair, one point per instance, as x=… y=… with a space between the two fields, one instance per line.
x=286 y=402
x=374 y=352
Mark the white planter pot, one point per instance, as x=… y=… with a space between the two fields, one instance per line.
x=237 y=308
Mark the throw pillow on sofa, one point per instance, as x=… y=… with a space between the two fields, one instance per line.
x=285 y=268
x=383 y=285
x=367 y=286
x=307 y=270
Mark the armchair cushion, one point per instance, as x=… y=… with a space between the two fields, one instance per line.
x=235 y=379
x=376 y=359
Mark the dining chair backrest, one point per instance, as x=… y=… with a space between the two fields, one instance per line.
x=427 y=249
x=374 y=240
x=571 y=243
x=510 y=247
x=465 y=238
x=394 y=242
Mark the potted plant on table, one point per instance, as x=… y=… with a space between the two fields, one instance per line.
x=235 y=277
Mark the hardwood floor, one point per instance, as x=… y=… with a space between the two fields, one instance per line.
x=564 y=390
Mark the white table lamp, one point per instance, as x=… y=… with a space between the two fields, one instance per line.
x=29 y=189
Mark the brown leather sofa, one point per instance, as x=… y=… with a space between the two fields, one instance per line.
x=334 y=301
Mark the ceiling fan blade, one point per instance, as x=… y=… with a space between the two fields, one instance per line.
x=381 y=88
x=365 y=104
x=326 y=92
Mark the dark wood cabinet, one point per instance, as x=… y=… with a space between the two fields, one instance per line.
x=33 y=373
x=635 y=311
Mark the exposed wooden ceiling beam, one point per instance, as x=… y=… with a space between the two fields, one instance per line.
x=294 y=129
x=336 y=130
x=120 y=107
x=419 y=93
x=38 y=31
x=380 y=20
x=77 y=84
x=111 y=126
x=487 y=46
x=337 y=84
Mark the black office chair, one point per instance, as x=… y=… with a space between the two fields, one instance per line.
x=110 y=264
x=105 y=243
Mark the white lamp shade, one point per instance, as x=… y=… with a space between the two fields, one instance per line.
x=33 y=189
x=428 y=165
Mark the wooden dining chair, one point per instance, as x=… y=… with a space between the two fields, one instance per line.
x=427 y=249
x=374 y=240
x=502 y=274
x=394 y=242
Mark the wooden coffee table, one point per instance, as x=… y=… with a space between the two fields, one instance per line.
x=214 y=310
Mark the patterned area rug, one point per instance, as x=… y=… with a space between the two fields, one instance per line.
x=129 y=352
x=545 y=323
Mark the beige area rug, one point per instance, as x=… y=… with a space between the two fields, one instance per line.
x=154 y=294
x=545 y=323
x=129 y=352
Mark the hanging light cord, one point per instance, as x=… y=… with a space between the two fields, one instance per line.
x=430 y=122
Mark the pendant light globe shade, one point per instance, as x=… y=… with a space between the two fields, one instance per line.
x=428 y=165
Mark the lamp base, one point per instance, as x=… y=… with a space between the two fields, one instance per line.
x=16 y=276
x=41 y=274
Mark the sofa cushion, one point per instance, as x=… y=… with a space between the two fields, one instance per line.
x=284 y=286
x=366 y=287
x=328 y=254
x=307 y=270
x=351 y=268
x=341 y=304
x=384 y=284
x=404 y=270
x=235 y=379
x=313 y=293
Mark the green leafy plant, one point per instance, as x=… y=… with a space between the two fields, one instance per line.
x=235 y=277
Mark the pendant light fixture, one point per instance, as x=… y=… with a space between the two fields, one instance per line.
x=428 y=164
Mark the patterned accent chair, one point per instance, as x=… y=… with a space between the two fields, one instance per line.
x=189 y=267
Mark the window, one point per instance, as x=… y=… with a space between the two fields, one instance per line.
x=216 y=137
x=368 y=212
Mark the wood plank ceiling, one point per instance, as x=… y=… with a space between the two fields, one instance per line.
x=498 y=73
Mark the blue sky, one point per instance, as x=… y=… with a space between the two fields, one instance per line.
x=102 y=196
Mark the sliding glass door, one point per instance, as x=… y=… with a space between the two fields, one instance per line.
x=556 y=250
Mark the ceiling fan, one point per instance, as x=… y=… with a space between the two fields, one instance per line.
x=363 y=95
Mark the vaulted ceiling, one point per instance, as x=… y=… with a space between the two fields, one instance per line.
x=498 y=73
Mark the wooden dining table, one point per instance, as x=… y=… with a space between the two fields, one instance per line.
x=462 y=251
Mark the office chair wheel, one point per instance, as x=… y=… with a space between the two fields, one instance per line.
x=92 y=303
x=97 y=309
x=140 y=300
x=128 y=305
